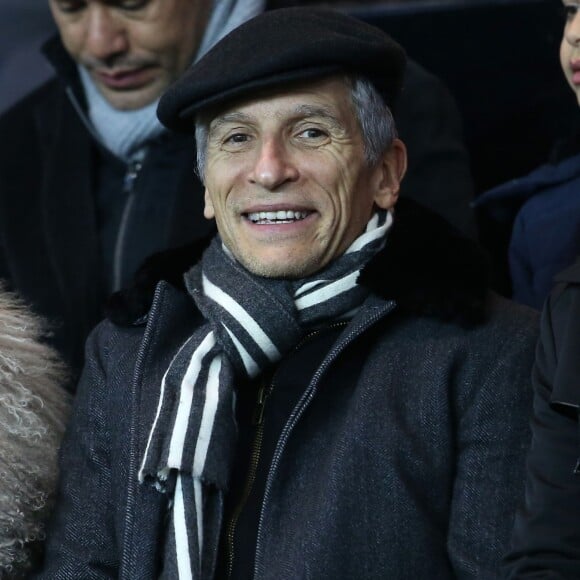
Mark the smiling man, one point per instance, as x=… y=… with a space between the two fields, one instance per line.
x=327 y=389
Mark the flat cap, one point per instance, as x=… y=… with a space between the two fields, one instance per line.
x=279 y=47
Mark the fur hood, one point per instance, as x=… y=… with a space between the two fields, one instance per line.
x=33 y=412
x=427 y=267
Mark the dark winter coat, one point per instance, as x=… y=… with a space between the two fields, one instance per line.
x=413 y=471
x=546 y=540
x=56 y=222
x=545 y=209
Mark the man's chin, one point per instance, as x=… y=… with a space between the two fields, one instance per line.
x=129 y=100
x=280 y=269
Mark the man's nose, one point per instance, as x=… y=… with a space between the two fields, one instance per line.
x=274 y=165
x=106 y=36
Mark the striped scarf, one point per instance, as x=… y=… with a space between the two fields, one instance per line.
x=251 y=323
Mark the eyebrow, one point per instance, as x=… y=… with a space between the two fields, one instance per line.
x=326 y=113
x=300 y=112
x=235 y=117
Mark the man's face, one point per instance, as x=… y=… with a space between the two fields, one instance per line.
x=570 y=47
x=133 y=49
x=287 y=181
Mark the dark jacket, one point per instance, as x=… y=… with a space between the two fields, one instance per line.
x=412 y=471
x=61 y=204
x=544 y=208
x=546 y=540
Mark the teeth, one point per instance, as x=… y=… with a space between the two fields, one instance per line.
x=280 y=215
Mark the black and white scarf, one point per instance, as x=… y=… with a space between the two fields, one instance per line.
x=251 y=323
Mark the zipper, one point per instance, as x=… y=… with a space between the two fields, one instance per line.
x=133 y=170
x=128 y=557
x=264 y=393
x=299 y=409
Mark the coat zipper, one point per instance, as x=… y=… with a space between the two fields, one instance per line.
x=133 y=170
x=264 y=393
x=128 y=557
x=258 y=420
x=297 y=413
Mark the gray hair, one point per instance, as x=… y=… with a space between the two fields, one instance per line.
x=374 y=116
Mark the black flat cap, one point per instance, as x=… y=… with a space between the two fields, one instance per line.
x=278 y=47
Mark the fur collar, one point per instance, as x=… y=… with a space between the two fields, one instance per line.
x=427 y=267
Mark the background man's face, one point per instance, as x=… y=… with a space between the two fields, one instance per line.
x=133 y=49
x=287 y=181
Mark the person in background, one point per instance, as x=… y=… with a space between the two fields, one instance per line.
x=546 y=538
x=544 y=205
x=328 y=389
x=33 y=411
x=91 y=183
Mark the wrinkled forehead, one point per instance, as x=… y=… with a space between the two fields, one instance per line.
x=326 y=97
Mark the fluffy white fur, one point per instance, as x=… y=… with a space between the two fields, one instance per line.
x=33 y=412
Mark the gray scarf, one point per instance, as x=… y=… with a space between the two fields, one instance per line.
x=252 y=322
x=126 y=133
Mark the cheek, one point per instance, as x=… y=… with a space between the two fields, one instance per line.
x=72 y=36
x=565 y=54
x=208 y=210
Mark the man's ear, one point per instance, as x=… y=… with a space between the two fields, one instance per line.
x=208 y=210
x=390 y=173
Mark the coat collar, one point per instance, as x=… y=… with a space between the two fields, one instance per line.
x=64 y=66
x=427 y=267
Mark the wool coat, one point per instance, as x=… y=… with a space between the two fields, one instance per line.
x=33 y=411
x=546 y=540
x=411 y=469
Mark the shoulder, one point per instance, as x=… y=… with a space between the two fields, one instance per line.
x=526 y=195
x=563 y=304
x=560 y=337
x=569 y=278
x=508 y=316
x=27 y=129
x=26 y=107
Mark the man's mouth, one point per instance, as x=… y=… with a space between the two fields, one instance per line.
x=125 y=79
x=277 y=217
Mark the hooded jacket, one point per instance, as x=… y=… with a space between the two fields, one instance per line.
x=403 y=458
x=544 y=208
x=33 y=411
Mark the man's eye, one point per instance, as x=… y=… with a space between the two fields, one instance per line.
x=237 y=138
x=132 y=4
x=70 y=6
x=312 y=133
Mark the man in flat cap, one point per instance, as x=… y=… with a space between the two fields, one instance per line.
x=326 y=389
